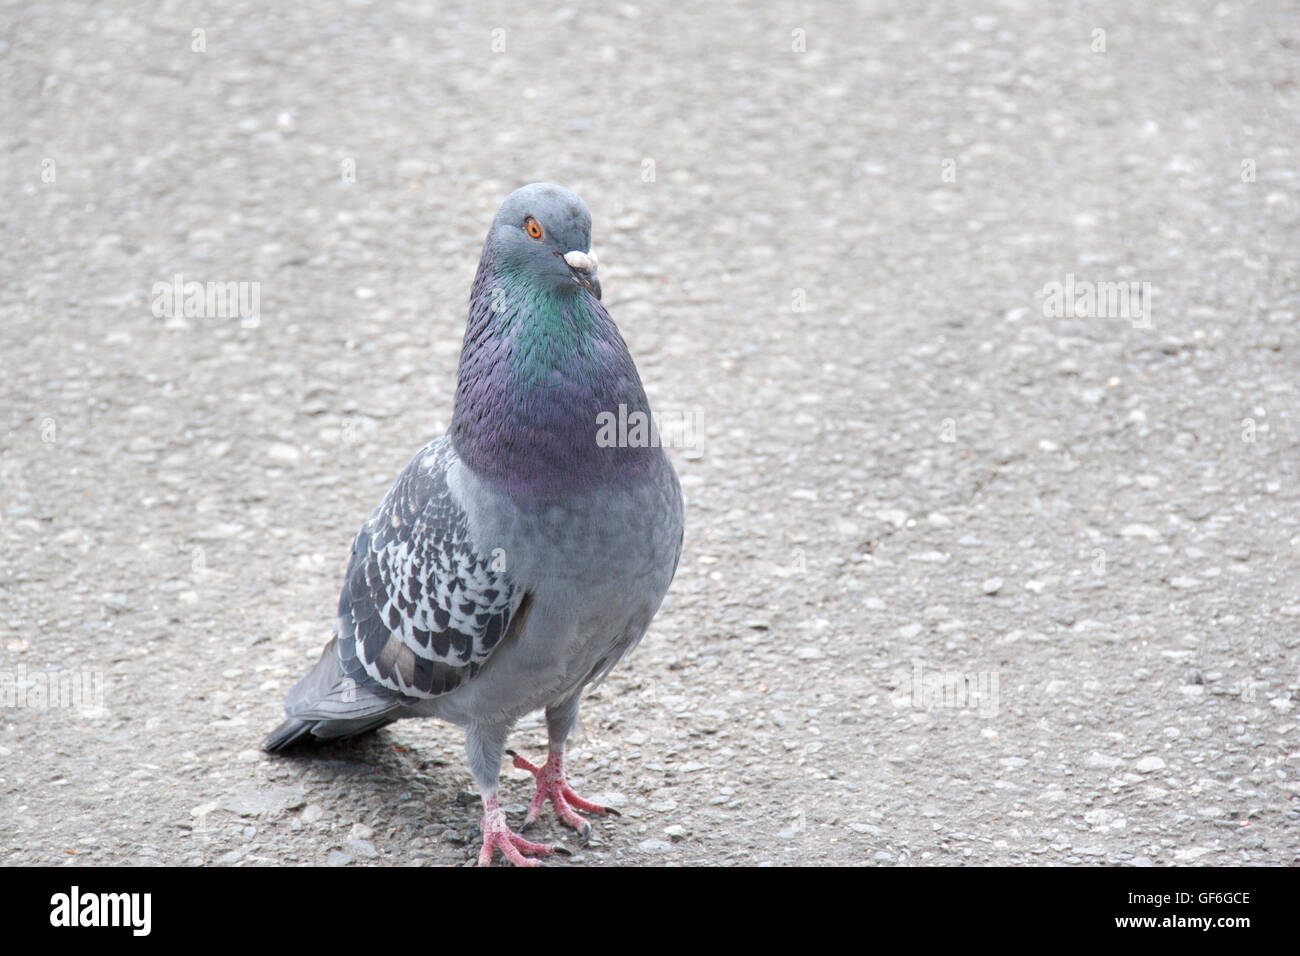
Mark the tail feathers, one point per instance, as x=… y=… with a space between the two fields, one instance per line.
x=294 y=731
x=287 y=734
x=326 y=705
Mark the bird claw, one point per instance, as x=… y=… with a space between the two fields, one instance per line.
x=497 y=835
x=552 y=786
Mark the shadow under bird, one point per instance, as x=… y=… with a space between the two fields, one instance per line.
x=517 y=558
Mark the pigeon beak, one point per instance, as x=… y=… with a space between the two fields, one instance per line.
x=584 y=265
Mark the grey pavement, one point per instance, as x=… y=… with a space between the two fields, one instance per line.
x=979 y=322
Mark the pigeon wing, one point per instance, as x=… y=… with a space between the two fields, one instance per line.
x=423 y=605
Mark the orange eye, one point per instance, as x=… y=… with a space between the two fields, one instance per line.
x=533 y=227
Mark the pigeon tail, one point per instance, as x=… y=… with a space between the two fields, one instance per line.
x=326 y=705
x=294 y=731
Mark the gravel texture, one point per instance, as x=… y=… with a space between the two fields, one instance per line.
x=828 y=234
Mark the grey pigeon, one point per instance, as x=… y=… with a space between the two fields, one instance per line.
x=522 y=554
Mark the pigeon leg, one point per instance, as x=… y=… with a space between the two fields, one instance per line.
x=484 y=744
x=497 y=835
x=552 y=786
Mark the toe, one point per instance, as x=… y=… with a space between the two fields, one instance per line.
x=586 y=806
x=526 y=846
x=570 y=818
x=522 y=764
x=512 y=853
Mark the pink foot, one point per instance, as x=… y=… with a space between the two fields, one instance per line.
x=497 y=835
x=551 y=786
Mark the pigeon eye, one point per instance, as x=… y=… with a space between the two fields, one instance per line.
x=533 y=227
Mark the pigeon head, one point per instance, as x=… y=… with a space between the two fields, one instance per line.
x=542 y=363
x=543 y=233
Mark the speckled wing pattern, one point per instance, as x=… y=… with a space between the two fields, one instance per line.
x=422 y=606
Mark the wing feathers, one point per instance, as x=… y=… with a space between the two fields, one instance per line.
x=423 y=605
x=421 y=610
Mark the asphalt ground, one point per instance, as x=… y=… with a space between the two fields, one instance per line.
x=980 y=326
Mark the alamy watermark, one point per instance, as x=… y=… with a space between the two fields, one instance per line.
x=82 y=691
x=673 y=428
x=209 y=300
x=955 y=690
x=130 y=910
x=1083 y=299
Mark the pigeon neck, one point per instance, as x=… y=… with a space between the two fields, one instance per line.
x=542 y=373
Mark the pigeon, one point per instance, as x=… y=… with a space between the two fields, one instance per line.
x=520 y=556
